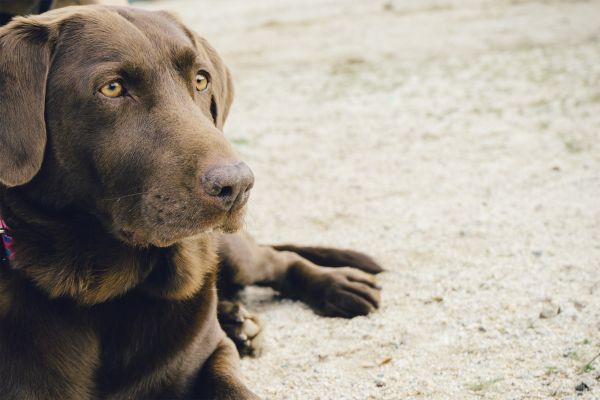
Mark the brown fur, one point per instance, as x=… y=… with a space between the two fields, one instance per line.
x=112 y=293
x=112 y=290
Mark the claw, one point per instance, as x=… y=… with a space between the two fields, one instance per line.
x=250 y=328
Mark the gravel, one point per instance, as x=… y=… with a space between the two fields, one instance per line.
x=457 y=142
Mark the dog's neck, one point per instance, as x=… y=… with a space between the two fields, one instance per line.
x=69 y=253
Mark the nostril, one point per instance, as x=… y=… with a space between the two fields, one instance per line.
x=225 y=192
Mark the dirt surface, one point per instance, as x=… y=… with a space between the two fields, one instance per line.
x=459 y=143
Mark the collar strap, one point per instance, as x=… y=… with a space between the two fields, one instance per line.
x=7 y=242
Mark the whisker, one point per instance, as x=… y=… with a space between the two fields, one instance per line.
x=125 y=195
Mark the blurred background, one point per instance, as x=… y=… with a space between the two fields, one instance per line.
x=458 y=143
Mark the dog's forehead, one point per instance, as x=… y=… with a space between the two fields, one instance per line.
x=120 y=32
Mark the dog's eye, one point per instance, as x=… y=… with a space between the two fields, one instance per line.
x=202 y=81
x=112 y=89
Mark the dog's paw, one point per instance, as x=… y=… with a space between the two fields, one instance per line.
x=344 y=292
x=242 y=327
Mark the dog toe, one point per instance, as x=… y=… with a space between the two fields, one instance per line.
x=243 y=327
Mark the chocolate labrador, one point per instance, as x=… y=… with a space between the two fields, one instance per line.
x=119 y=196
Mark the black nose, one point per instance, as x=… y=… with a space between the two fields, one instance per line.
x=229 y=184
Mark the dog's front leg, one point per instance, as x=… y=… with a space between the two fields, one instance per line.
x=330 y=290
x=219 y=378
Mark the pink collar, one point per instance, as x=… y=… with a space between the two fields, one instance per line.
x=7 y=241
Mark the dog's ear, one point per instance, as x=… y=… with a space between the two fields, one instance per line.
x=25 y=50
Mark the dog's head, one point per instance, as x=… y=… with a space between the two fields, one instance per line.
x=120 y=112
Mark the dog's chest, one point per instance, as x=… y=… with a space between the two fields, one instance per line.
x=144 y=341
x=133 y=347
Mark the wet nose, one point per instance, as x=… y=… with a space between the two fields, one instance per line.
x=228 y=184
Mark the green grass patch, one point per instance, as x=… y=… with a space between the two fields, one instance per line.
x=483 y=386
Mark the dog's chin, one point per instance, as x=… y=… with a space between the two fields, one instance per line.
x=233 y=221
x=165 y=237
x=138 y=238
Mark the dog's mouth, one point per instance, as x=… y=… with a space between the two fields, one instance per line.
x=168 y=213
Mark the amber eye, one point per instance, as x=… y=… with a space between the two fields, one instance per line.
x=202 y=81
x=112 y=89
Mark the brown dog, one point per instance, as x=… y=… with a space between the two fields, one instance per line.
x=115 y=180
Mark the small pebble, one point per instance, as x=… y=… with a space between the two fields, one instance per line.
x=379 y=382
x=582 y=387
x=550 y=311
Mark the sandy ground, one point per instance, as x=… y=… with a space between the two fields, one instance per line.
x=459 y=143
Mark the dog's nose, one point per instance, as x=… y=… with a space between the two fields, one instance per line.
x=229 y=184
